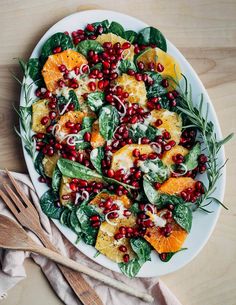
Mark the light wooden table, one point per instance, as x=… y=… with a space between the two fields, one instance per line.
x=205 y=32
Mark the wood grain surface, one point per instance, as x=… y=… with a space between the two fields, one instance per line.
x=205 y=32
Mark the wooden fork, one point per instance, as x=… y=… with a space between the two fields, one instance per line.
x=28 y=217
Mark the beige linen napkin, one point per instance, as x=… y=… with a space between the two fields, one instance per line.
x=12 y=270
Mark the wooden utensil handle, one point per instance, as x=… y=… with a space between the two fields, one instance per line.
x=82 y=289
x=92 y=273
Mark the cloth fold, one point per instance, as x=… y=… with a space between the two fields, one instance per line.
x=12 y=270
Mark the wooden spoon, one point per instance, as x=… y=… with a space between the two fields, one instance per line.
x=13 y=236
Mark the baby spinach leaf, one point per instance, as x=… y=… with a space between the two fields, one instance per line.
x=156 y=89
x=34 y=68
x=65 y=216
x=38 y=165
x=143 y=251
x=150 y=35
x=108 y=121
x=47 y=202
x=142 y=248
x=191 y=160
x=130 y=269
x=82 y=145
x=134 y=209
x=155 y=170
x=183 y=216
x=150 y=191
x=131 y=36
x=169 y=255
x=87 y=122
x=74 y=100
x=57 y=40
x=89 y=234
x=117 y=29
x=114 y=181
x=74 y=222
x=86 y=45
x=126 y=65
x=141 y=130
x=97 y=66
x=96 y=100
x=96 y=157
x=73 y=169
x=56 y=179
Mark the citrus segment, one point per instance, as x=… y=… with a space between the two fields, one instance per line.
x=104 y=195
x=136 y=89
x=167 y=158
x=65 y=190
x=49 y=164
x=170 y=121
x=124 y=159
x=174 y=186
x=51 y=73
x=39 y=110
x=110 y=37
x=96 y=138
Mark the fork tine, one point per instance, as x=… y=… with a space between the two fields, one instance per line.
x=19 y=204
x=19 y=191
x=9 y=203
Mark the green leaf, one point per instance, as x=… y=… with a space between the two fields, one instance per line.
x=74 y=222
x=73 y=169
x=34 y=67
x=65 y=216
x=117 y=29
x=150 y=35
x=191 y=160
x=86 y=45
x=156 y=89
x=183 y=216
x=96 y=157
x=74 y=100
x=134 y=209
x=142 y=249
x=57 y=40
x=56 y=179
x=150 y=191
x=169 y=255
x=108 y=121
x=87 y=122
x=140 y=131
x=38 y=165
x=131 y=36
x=155 y=170
x=126 y=65
x=130 y=269
x=96 y=100
x=47 y=202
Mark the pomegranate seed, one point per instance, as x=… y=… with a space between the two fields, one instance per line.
x=131 y=72
x=166 y=135
x=138 y=174
x=126 y=213
x=52 y=115
x=170 y=96
x=126 y=45
x=136 y=50
x=110 y=173
x=57 y=50
x=94 y=218
x=90 y=27
x=160 y=67
x=138 y=76
x=126 y=258
x=92 y=86
x=118 y=236
x=134 y=120
x=44 y=120
x=171 y=143
x=73 y=187
x=122 y=230
x=165 y=83
x=143 y=157
x=202 y=158
x=152 y=156
x=140 y=65
x=96 y=224
x=123 y=248
x=157 y=185
x=87 y=136
x=173 y=103
x=145 y=140
x=69 y=124
x=150 y=105
x=62 y=68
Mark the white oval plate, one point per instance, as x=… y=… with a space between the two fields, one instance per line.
x=203 y=224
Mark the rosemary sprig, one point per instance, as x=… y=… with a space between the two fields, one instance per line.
x=199 y=119
x=24 y=112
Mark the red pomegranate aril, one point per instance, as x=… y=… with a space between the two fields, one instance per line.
x=152 y=156
x=72 y=158
x=123 y=248
x=140 y=65
x=126 y=258
x=62 y=68
x=113 y=215
x=134 y=120
x=90 y=27
x=202 y=158
x=173 y=103
x=136 y=50
x=92 y=86
x=160 y=67
x=66 y=197
x=126 y=213
x=138 y=76
x=96 y=224
x=171 y=143
x=113 y=75
x=143 y=157
x=94 y=218
x=136 y=152
x=69 y=124
x=138 y=174
x=73 y=186
x=118 y=236
x=110 y=173
x=165 y=83
x=57 y=50
x=131 y=72
x=40 y=135
x=157 y=185
x=150 y=105
x=44 y=120
x=145 y=140
x=87 y=136
x=42 y=179
x=126 y=45
x=52 y=115
x=202 y=169
x=166 y=135
x=71 y=107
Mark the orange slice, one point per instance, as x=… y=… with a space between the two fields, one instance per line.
x=51 y=72
x=174 y=186
x=156 y=55
x=171 y=122
x=97 y=139
x=136 y=89
x=104 y=195
x=49 y=164
x=65 y=190
x=168 y=155
x=110 y=37
x=124 y=159
x=40 y=109
x=163 y=244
